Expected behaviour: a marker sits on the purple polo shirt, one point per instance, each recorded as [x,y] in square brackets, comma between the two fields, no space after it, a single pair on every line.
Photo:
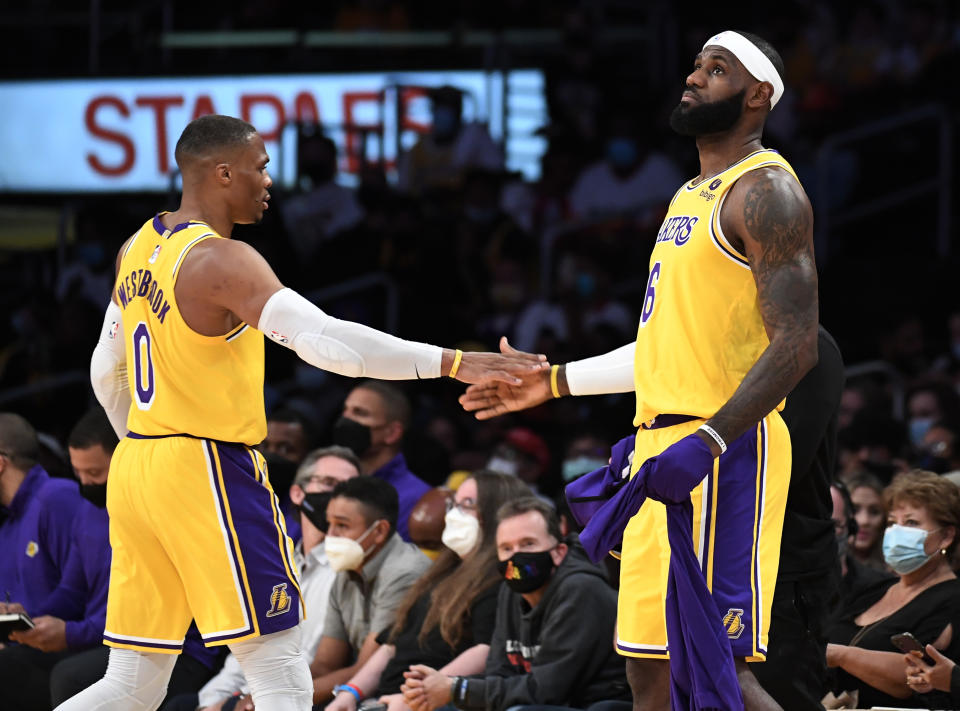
[81,597]
[409,488]
[35,537]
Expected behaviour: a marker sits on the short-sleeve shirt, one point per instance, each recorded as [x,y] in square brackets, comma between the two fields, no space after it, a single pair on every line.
[365,602]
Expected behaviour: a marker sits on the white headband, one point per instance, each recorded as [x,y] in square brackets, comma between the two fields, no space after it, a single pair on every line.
[753,60]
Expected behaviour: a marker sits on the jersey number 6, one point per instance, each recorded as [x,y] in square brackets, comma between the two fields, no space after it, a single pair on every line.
[651,294]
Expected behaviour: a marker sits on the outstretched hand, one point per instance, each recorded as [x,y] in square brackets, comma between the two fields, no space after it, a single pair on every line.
[492,398]
[509,366]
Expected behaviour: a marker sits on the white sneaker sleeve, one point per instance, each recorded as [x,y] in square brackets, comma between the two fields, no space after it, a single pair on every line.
[344,347]
[108,370]
[604,374]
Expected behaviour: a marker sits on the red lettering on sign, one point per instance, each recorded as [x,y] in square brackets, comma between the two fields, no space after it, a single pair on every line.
[159,105]
[407,95]
[248,101]
[126,145]
[305,108]
[355,131]
[203,107]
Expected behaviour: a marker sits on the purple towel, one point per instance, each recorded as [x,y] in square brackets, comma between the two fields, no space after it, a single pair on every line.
[587,493]
[702,673]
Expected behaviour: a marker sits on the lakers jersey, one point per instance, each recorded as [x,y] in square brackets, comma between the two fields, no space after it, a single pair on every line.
[182,382]
[700,327]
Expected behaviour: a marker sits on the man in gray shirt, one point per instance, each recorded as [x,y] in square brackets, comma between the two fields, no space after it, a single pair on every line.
[375,568]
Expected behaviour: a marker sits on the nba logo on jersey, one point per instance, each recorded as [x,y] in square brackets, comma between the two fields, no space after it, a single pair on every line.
[733,623]
[156,253]
[279,600]
[279,337]
[114,330]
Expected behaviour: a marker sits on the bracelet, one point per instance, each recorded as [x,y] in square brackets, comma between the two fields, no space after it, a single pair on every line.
[458,356]
[454,686]
[716,437]
[554,369]
[350,688]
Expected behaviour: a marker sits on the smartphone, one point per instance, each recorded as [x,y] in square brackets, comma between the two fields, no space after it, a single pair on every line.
[907,643]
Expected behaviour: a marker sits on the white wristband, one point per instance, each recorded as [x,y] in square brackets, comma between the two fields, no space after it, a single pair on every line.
[716,437]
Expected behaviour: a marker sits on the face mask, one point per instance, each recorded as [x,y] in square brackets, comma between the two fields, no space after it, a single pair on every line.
[572,468]
[352,435]
[526,572]
[314,507]
[903,548]
[280,471]
[931,463]
[919,426]
[346,553]
[586,285]
[461,532]
[622,152]
[96,494]
[444,121]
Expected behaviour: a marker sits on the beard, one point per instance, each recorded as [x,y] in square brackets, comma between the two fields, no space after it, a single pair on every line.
[704,119]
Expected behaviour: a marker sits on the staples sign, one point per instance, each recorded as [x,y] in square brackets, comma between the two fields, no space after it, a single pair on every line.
[120,134]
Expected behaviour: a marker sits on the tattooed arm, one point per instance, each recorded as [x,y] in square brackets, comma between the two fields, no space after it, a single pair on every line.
[770,219]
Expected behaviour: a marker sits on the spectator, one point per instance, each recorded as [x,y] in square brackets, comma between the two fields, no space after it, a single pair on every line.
[866,492]
[551,643]
[375,569]
[939,452]
[521,453]
[447,618]
[35,534]
[375,418]
[585,453]
[439,158]
[320,472]
[927,403]
[633,180]
[924,518]
[873,442]
[324,208]
[289,435]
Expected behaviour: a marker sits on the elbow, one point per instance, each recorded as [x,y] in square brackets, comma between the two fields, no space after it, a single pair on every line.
[809,353]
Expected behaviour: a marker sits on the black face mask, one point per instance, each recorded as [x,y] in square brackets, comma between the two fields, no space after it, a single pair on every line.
[281,472]
[352,435]
[526,572]
[314,507]
[96,494]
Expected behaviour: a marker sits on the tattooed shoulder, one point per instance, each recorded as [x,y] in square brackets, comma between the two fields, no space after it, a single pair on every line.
[776,216]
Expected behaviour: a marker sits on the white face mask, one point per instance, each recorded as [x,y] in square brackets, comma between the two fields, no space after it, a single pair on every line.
[461,531]
[346,553]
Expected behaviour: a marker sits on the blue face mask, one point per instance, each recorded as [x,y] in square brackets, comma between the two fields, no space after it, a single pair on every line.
[919,426]
[572,468]
[622,152]
[903,548]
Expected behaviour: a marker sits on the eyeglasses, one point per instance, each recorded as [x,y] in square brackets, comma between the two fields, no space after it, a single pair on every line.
[466,506]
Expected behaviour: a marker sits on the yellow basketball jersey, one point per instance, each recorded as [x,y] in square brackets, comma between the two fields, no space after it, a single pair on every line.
[700,327]
[182,382]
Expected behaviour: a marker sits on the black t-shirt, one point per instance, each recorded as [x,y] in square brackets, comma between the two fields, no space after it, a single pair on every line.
[925,616]
[808,548]
[435,652]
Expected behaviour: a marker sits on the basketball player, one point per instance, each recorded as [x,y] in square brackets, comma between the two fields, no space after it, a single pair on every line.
[194,524]
[728,327]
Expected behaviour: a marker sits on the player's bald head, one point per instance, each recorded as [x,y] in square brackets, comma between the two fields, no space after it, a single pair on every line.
[212,137]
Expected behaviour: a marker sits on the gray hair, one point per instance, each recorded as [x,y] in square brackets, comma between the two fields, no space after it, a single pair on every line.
[305,470]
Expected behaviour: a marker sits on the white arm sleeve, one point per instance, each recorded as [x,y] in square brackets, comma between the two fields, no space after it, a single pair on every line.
[344,347]
[108,371]
[604,374]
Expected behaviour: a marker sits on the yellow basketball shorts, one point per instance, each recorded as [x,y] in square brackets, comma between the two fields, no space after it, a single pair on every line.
[197,533]
[737,523]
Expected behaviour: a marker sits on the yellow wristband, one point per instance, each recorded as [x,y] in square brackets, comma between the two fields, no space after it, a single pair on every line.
[553,380]
[458,356]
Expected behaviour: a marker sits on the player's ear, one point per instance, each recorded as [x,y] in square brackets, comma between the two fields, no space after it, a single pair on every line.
[759,94]
[222,171]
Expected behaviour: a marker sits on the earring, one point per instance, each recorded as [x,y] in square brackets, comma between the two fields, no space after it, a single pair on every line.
[943,551]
